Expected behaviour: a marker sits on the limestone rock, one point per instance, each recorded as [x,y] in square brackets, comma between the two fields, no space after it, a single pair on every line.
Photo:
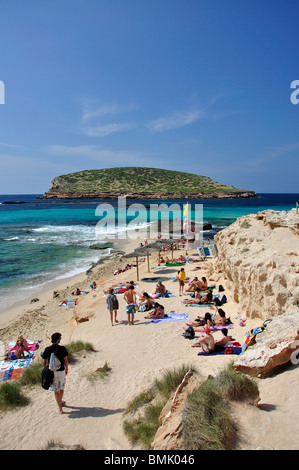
[168,436]
[259,256]
[275,346]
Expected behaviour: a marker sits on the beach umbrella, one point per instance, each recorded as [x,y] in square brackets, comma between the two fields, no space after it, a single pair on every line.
[136,254]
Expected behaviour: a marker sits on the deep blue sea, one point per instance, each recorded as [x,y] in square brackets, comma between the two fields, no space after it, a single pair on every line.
[42,240]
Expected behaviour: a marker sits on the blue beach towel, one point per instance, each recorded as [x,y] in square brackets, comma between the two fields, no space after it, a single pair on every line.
[171,317]
[223,350]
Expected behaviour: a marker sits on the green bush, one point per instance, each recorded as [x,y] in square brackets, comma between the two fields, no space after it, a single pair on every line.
[32,375]
[11,395]
[143,429]
[207,423]
[77,346]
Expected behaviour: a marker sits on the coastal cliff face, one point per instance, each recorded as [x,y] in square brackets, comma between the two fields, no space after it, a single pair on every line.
[59,194]
[259,256]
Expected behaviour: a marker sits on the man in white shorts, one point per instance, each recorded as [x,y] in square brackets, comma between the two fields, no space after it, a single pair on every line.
[58,384]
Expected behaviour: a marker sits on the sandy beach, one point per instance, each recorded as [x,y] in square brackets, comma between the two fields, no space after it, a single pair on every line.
[136,354]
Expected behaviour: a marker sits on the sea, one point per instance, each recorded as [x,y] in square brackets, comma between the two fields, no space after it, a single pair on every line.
[42,240]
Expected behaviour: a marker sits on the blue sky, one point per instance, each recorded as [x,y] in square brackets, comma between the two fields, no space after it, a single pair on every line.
[195,85]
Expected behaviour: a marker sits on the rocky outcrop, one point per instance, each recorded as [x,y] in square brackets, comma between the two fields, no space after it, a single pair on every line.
[60,194]
[259,257]
[275,346]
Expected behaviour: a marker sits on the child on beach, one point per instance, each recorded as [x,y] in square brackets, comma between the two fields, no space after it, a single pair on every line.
[182,277]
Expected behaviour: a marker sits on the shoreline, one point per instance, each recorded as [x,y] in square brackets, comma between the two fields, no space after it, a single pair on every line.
[45,291]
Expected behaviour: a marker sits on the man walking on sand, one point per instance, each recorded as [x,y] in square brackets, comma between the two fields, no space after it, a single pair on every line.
[58,384]
[131,300]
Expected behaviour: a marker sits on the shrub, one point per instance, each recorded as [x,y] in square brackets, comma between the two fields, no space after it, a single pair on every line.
[32,375]
[11,395]
[143,429]
[236,386]
[77,346]
[207,424]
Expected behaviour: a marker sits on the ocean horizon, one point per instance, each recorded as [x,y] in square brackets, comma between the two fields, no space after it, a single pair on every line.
[44,240]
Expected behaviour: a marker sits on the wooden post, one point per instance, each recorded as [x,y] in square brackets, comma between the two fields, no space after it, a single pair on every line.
[148,266]
[137,268]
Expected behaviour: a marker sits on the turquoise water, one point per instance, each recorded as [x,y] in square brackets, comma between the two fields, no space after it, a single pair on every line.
[44,240]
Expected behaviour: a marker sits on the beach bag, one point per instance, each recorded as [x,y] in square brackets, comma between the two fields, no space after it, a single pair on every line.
[220,288]
[223,299]
[47,377]
[115,304]
[54,362]
[189,333]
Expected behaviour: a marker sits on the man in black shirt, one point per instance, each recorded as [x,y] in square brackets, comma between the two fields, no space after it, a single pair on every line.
[58,383]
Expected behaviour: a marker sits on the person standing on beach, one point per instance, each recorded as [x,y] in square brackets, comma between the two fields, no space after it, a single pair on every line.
[58,384]
[182,277]
[131,300]
[112,305]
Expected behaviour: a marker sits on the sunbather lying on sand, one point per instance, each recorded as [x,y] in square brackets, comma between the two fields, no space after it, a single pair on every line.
[209,320]
[200,299]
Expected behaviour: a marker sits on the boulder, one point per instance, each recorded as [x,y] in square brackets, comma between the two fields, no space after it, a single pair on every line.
[273,347]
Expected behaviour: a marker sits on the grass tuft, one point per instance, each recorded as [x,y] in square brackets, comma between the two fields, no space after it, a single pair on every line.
[12,396]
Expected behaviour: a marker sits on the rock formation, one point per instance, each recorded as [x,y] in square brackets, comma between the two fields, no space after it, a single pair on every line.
[258,255]
[168,436]
[275,346]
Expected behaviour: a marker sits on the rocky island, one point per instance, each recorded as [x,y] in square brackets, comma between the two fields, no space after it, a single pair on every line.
[140,183]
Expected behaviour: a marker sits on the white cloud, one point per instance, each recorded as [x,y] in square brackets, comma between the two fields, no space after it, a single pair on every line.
[102,130]
[90,112]
[177,119]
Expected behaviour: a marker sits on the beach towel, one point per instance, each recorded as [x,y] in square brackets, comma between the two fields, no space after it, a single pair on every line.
[171,317]
[164,296]
[220,350]
[228,326]
[199,305]
[13,368]
[249,338]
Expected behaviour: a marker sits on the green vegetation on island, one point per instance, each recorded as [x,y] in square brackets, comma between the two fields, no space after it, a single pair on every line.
[139,180]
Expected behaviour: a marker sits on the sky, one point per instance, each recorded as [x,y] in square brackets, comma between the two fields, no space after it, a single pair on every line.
[190,85]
